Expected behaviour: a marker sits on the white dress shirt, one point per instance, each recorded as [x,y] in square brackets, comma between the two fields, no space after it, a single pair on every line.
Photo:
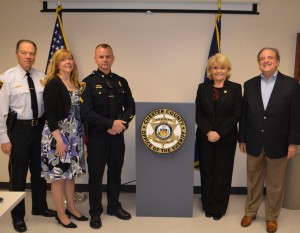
[15,94]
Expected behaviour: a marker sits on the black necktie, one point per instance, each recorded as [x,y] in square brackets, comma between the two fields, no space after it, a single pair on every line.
[112,101]
[34,104]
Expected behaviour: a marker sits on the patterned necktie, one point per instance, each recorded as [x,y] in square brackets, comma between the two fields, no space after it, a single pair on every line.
[34,104]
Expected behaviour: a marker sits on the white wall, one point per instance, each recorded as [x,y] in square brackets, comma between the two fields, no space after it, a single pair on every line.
[163,56]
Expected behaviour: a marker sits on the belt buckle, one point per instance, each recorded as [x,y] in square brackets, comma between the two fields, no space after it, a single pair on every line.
[34,122]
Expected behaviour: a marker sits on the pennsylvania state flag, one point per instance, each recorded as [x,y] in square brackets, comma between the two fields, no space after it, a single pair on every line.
[215,47]
[58,38]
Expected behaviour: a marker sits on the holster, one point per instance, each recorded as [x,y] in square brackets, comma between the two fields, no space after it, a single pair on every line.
[10,121]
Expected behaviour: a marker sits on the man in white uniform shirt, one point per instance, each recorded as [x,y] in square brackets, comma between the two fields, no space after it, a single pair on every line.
[23,145]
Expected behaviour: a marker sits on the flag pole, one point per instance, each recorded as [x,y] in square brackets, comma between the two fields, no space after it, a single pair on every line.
[218,17]
[58,40]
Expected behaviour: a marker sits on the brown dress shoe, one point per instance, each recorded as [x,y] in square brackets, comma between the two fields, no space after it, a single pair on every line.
[271,226]
[247,220]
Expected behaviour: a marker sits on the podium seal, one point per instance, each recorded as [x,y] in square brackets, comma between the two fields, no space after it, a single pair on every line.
[163,131]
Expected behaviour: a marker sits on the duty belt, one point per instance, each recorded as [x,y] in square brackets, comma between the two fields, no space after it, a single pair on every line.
[33,122]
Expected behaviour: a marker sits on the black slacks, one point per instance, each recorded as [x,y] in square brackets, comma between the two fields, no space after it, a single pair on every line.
[104,149]
[216,166]
[26,153]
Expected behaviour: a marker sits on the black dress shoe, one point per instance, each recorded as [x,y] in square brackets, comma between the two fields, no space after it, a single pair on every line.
[81,218]
[19,225]
[70,225]
[120,213]
[45,213]
[217,217]
[208,214]
[95,222]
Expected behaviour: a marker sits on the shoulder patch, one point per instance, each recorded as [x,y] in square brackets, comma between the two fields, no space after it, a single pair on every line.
[1,84]
[82,87]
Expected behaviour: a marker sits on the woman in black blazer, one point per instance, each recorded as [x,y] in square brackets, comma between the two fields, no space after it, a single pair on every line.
[218,110]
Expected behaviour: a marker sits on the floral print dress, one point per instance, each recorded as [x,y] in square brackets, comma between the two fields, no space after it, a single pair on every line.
[73,163]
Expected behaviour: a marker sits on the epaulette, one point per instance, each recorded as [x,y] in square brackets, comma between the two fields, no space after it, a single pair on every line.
[90,75]
[93,73]
[8,71]
[3,76]
[117,76]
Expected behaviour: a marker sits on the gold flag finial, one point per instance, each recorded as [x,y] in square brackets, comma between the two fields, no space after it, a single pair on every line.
[58,3]
[219,6]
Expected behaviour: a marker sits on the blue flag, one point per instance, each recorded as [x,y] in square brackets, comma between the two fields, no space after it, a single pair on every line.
[215,47]
[58,40]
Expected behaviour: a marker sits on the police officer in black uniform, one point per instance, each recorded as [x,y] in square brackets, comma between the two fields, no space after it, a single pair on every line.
[107,106]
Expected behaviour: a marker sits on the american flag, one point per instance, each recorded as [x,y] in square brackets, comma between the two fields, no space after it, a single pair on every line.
[58,40]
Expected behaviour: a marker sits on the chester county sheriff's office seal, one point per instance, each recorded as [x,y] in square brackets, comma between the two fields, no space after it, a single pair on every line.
[163,131]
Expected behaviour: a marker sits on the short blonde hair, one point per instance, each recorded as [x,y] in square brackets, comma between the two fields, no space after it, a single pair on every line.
[52,70]
[221,60]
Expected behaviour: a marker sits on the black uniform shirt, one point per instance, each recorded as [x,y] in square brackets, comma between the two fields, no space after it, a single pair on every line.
[95,102]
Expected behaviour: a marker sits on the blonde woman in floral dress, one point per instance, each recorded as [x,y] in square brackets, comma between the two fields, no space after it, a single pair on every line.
[62,138]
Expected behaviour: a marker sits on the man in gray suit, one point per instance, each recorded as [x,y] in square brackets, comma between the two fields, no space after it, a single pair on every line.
[269,134]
